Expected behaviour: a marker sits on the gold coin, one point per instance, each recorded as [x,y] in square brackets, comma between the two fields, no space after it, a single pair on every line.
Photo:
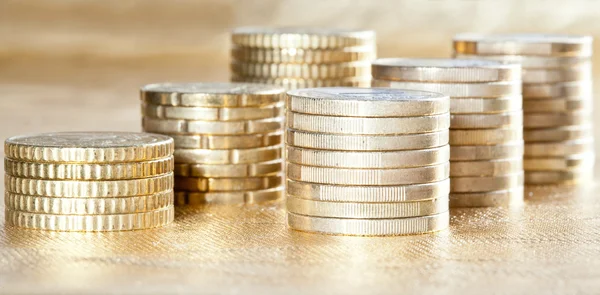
[485,136]
[366,102]
[575,73]
[303,56]
[87,206]
[570,177]
[212,114]
[229,156]
[553,105]
[220,142]
[487,152]
[212,127]
[212,94]
[229,170]
[558,149]
[345,176]
[368,194]
[88,189]
[203,184]
[555,90]
[89,147]
[570,162]
[485,105]
[367,126]
[303,71]
[566,133]
[486,167]
[481,121]
[479,90]
[369,227]
[90,223]
[306,38]
[354,210]
[296,83]
[485,183]
[443,70]
[241,197]
[78,171]
[503,198]
[530,62]
[546,120]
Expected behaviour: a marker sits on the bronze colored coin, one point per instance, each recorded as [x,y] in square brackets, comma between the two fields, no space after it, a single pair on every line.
[566,133]
[229,198]
[480,90]
[202,184]
[486,167]
[570,74]
[228,156]
[475,184]
[496,136]
[559,149]
[212,114]
[221,142]
[570,177]
[504,198]
[555,90]
[303,56]
[555,105]
[530,62]
[302,71]
[571,162]
[230,170]
[484,121]
[296,83]
[305,38]
[485,105]
[548,120]
[212,127]
[487,152]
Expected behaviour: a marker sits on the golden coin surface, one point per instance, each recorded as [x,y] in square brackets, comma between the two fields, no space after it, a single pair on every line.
[345,176]
[303,71]
[487,152]
[486,167]
[212,127]
[212,94]
[94,171]
[360,159]
[476,184]
[229,170]
[369,227]
[368,194]
[303,56]
[570,162]
[91,223]
[557,149]
[212,114]
[575,73]
[555,90]
[559,177]
[229,198]
[443,70]
[552,105]
[366,102]
[88,147]
[295,83]
[368,126]
[228,156]
[203,184]
[485,105]
[503,198]
[354,210]
[496,136]
[484,89]
[87,206]
[220,142]
[484,121]
[90,188]
[547,120]
[558,134]
[531,62]
[306,38]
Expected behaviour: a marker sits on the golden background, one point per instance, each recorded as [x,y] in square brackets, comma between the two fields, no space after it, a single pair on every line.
[77,65]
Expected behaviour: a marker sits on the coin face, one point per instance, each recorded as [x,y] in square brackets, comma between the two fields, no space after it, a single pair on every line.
[524,38]
[211,88]
[89,139]
[440,63]
[367,94]
[302,31]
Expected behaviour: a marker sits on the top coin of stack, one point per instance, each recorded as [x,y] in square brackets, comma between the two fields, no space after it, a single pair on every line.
[302,57]
[557,99]
[89,181]
[486,126]
[228,139]
[367,161]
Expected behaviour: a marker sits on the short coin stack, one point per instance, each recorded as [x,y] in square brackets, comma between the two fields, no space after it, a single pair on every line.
[367,161]
[486,126]
[228,139]
[89,181]
[302,57]
[557,99]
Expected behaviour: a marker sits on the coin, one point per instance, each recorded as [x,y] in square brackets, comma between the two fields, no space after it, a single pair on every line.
[487,152]
[228,156]
[570,162]
[443,70]
[212,94]
[360,159]
[487,89]
[552,105]
[486,167]
[559,177]
[115,222]
[78,171]
[545,120]
[366,102]
[368,194]
[479,121]
[485,136]
[87,206]
[485,183]
[220,142]
[89,147]
[303,56]
[530,62]
[204,184]
[554,90]
[212,114]
[354,210]
[306,38]
[502,198]
[485,105]
[369,227]
[295,83]
[212,127]
[229,170]
[344,176]
[557,149]
[303,71]
[575,73]
[88,189]
[565,133]
[240,197]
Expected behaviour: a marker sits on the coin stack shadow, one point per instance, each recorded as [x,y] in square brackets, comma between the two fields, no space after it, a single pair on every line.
[89,181]
[364,161]
[486,126]
[228,139]
[302,57]
[557,100]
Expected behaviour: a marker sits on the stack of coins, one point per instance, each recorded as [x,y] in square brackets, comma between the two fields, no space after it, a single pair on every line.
[89,181]
[557,100]
[301,58]
[486,127]
[364,161]
[228,139]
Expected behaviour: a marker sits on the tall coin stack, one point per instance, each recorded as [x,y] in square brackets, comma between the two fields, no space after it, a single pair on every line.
[486,126]
[228,139]
[302,57]
[89,181]
[364,161]
[557,99]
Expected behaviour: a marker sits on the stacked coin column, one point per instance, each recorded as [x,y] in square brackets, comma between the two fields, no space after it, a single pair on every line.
[228,139]
[300,58]
[92,181]
[557,94]
[364,161]
[486,127]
